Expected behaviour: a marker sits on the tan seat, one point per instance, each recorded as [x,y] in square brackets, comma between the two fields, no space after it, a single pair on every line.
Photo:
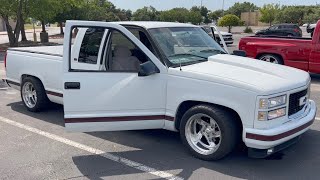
[123,60]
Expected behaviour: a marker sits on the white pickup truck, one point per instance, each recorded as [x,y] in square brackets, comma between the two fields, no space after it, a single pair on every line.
[158,75]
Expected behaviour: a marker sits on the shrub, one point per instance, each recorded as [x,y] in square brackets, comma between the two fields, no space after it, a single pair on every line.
[248,30]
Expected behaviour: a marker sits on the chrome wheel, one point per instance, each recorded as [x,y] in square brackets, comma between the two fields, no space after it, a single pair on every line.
[269,58]
[29,95]
[203,134]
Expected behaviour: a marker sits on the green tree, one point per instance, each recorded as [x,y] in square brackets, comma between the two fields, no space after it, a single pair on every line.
[215,15]
[229,20]
[175,15]
[12,9]
[66,12]
[194,17]
[146,14]
[239,8]
[44,10]
[312,17]
[269,12]
[203,12]
[290,14]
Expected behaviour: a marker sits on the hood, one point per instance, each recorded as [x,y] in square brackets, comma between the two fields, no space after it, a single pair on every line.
[222,33]
[262,77]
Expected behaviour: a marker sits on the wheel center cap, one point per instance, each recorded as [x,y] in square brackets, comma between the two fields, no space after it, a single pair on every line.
[208,130]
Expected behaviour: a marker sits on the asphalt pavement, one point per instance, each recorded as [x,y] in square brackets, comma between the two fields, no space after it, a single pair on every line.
[36,146]
[1,56]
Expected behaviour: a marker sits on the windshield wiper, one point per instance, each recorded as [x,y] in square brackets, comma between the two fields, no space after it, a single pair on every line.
[213,50]
[187,54]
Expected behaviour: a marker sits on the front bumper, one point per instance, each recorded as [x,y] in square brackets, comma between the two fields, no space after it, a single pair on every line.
[268,138]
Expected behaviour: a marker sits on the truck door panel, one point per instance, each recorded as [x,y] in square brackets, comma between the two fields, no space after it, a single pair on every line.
[113,99]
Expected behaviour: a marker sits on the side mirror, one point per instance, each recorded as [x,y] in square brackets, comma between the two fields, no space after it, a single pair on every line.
[240,53]
[147,69]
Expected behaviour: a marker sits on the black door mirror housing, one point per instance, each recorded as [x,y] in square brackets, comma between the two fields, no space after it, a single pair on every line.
[240,53]
[147,69]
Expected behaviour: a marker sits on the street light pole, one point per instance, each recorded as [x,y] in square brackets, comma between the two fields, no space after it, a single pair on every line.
[222,7]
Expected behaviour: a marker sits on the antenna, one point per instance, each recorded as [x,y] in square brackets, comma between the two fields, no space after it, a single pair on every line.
[180,64]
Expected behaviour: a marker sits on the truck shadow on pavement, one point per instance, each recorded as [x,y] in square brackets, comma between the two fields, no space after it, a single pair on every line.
[164,151]
[315,78]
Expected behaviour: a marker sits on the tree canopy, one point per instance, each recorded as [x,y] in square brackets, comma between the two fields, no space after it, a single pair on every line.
[239,8]
[51,11]
[269,12]
[229,20]
[175,15]
[146,14]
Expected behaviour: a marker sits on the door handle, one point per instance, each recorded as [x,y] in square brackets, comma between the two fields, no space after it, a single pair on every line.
[72,85]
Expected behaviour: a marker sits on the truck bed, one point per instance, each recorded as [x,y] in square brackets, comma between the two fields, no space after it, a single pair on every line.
[44,63]
[281,37]
[46,50]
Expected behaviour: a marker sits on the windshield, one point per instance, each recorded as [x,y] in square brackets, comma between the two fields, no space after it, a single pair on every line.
[185,45]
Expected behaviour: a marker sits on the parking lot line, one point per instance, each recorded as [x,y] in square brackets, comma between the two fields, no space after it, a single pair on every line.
[118,159]
[317,118]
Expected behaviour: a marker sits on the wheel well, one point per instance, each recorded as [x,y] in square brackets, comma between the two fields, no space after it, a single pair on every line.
[27,75]
[186,105]
[278,55]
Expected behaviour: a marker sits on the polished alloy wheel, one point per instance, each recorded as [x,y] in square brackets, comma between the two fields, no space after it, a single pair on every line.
[29,95]
[269,58]
[203,134]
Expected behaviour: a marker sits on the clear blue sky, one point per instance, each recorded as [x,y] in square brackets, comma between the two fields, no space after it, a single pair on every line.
[210,4]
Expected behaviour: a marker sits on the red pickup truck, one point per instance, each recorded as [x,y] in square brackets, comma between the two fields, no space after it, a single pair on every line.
[301,53]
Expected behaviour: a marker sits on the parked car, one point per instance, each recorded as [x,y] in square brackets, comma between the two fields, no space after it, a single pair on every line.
[227,37]
[302,53]
[281,30]
[154,75]
[310,28]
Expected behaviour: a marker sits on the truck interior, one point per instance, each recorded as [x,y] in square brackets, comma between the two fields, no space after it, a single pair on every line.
[110,50]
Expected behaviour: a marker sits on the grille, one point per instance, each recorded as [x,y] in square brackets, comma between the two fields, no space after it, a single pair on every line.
[294,101]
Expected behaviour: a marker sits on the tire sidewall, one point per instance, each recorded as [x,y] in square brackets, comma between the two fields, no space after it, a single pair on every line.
[39,90]
[226,133]
[280,62]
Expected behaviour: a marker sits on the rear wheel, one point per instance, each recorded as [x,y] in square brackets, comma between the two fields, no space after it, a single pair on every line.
[210,133]
[271,58]
[33,94]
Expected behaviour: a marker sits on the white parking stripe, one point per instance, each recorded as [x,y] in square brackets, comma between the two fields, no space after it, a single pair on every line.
[317,118]
[118,159]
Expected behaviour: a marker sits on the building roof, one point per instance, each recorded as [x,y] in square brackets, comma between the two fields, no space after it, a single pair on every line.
[154,24]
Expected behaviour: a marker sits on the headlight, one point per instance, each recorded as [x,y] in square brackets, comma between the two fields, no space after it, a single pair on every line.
[272,102]
[264,115]
[267,107]
[276,113]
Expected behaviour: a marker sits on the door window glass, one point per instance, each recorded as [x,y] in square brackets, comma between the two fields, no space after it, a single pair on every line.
[124,55]
[90,45]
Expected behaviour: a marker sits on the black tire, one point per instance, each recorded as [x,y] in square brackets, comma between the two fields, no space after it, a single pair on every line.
[276,57]
[226,120]
[42,98]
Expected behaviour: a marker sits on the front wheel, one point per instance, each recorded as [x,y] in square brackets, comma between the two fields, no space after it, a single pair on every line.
[210,133]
